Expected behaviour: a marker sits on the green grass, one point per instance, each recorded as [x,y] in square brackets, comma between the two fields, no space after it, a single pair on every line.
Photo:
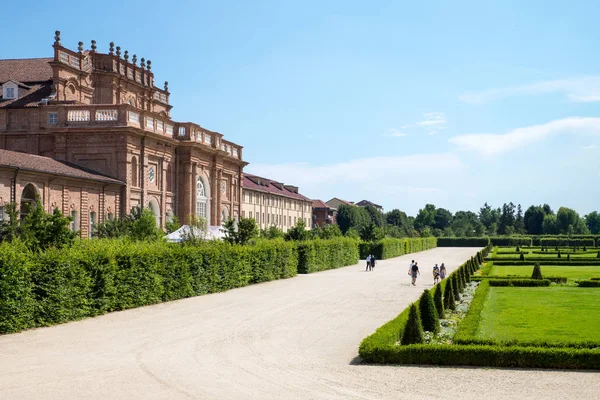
[570,272]
[559,313]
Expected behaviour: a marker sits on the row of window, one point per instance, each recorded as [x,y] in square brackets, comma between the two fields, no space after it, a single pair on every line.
[275,201]
[76,224]
[271,219]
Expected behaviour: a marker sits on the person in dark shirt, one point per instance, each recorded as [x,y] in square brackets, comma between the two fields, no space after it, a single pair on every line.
[414,272]
[372,262]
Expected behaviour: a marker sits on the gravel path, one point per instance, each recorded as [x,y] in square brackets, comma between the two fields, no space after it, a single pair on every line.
[290,339]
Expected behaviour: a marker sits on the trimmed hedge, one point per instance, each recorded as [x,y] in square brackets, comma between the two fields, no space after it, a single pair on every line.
[554,279]
[321,255]
[588,283]
[482,355]
[568,242]
[519,282]
[97,276]
[510,241]
[389,247]
[544,261]
[462,242]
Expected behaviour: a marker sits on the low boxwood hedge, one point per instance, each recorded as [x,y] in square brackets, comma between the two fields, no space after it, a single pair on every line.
[588,283]
[555,279]
[543,261]
[519,282]
[462,242]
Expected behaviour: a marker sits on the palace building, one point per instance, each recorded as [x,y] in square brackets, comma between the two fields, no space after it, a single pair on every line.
[99,140]
[271,203]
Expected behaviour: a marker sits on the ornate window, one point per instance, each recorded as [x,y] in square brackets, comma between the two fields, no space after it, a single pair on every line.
[201,200]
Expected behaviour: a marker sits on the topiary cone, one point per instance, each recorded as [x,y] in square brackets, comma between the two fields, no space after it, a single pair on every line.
[537,271]
[413,331]
[448,292]
[429,316]
[438,301]
[456,286]
[451,301]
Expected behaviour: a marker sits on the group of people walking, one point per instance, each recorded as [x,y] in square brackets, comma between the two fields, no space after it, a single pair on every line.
[370,263]
[438,272]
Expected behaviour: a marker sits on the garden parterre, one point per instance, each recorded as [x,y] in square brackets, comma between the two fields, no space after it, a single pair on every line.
[511,322]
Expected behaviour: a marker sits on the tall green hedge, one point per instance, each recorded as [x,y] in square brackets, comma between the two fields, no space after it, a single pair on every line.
[320,255]
[98,276]
[511,240]
[463,242]
[389,247]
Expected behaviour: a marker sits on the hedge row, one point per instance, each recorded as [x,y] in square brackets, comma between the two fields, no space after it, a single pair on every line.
[389,247]
[519,282]
[99,276]
[463,242]
[320,255]
[554,279]
[544,261]
[510,241]
[589,283]
[567,242]
[483,355]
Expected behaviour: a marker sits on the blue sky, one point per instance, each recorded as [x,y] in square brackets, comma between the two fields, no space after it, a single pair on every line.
[403,103]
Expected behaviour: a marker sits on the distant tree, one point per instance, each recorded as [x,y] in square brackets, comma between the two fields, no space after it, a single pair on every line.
[507,219]
[549,225]
[371,233]
[485,216]
[519,224]
[547,209]
[592,220]
[565,217]
[426,217]
[329,232]
[352,217]
[375,215]
[442,219]
[398,218]
[533,220]
[272,232]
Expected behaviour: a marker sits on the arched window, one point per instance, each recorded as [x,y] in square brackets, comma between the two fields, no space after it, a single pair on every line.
[201,200]
[29,196]
[134,171]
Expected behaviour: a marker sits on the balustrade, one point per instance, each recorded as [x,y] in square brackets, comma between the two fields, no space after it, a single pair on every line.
[78,115]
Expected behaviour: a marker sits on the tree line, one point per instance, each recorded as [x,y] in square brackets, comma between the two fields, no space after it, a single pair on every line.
[510,219]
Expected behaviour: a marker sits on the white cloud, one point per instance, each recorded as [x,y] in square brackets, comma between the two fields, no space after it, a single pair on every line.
[395,133]
[432,121]
[591,147]
[490,143]
[384,180]
[584,89]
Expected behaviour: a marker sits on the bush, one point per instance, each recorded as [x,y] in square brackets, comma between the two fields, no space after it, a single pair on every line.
[568,257]
[522,257]
[519,282]
[588,283]
[413,332]
[449,300]
[537,271]
[456,288]
[389,247]
[462,242]
[595,278]
[16,299]
[321,255]
[429,315]
[438,300]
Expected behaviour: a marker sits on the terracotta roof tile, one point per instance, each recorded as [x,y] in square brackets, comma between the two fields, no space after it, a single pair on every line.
[271,187]
[26,70]
[319,204]
[31,98]
[30,162]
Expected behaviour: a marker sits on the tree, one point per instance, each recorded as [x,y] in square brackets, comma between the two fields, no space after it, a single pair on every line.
[519,224]
[549,225]
[442,218]
[272,232]
[375,215]
[592,221]
[397,218]
[565,217]
[298,232]
[371,233]
[507,218]
[485,215]
[330,232]
[413,331]
[429,316]
[425,217]
[242,232]
[438,300]
[352,217]
[172,224]
[533,220]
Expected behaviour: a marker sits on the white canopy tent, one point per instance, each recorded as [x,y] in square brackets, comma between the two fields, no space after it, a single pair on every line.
[211,233]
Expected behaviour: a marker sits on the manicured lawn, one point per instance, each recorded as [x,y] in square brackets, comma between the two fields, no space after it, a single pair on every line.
[559,313]
[568,271]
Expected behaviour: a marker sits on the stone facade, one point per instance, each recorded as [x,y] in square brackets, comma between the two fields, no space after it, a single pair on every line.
[272,203]
[103,112]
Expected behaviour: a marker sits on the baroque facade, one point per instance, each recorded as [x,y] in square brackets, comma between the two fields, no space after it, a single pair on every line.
[102,113]
[271,203]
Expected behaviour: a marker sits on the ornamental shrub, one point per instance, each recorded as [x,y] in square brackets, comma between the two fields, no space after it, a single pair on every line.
[598,256]
[413,332]
[589,283]
[559,256]
[522,257]
[438,300]
[449,300]
[456,289]
[518,250]
[537,271]
[584,248]
[429,316]
[568,257]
